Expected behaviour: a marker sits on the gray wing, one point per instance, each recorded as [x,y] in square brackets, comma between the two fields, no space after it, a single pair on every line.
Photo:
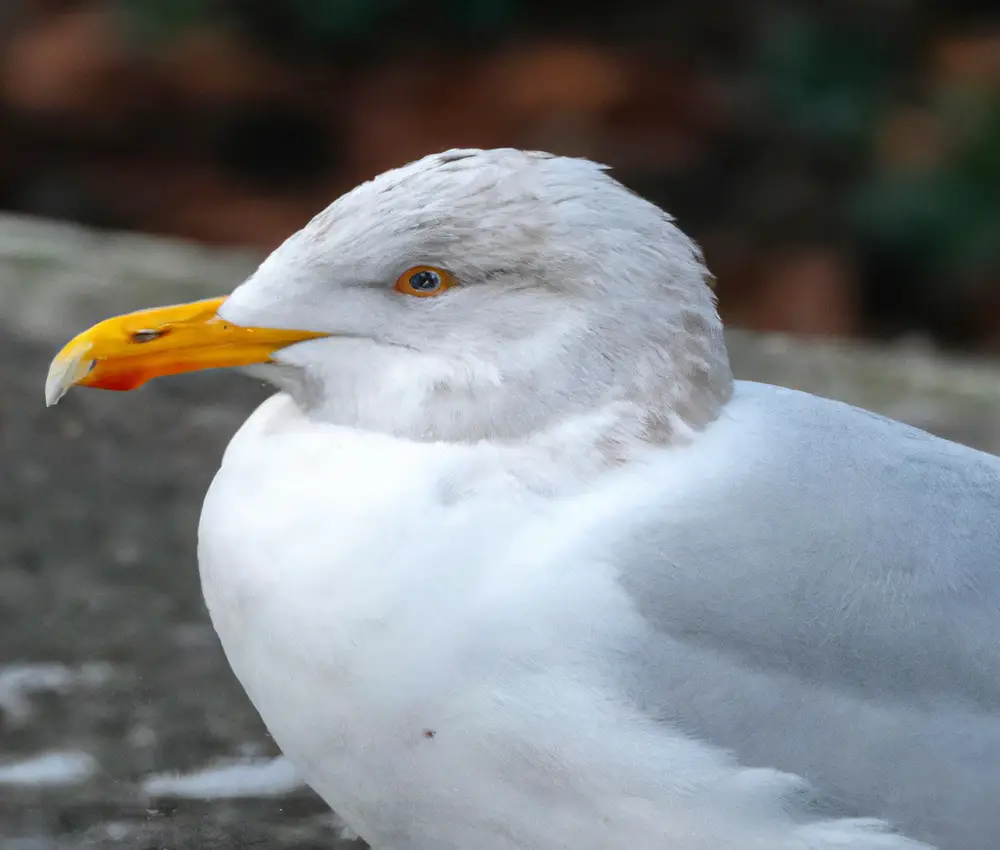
[825,599]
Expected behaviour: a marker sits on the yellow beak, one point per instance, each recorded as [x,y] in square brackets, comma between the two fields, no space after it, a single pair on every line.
[124,352]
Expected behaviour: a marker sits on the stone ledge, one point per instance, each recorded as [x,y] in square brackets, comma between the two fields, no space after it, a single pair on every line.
[56,278]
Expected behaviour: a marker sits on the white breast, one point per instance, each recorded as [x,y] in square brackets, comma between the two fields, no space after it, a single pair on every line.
[429,641]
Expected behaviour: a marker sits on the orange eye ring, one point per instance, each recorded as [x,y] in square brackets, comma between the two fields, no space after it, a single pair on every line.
[424,281]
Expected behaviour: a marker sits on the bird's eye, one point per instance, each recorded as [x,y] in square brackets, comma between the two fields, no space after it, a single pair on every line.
[424,281]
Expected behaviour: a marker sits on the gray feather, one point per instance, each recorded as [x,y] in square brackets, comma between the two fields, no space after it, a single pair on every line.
[827,602]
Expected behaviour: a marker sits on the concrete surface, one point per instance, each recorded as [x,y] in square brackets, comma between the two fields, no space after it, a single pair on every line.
[110,674]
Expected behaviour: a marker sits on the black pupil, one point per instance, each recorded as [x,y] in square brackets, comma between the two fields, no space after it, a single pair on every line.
[425,281]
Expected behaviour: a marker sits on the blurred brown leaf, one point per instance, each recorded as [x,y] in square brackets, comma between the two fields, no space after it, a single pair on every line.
[403,111]
[196,202]
[70,65]
[211,65]
[911,137]
[969,59]
[540,78]
[808,291]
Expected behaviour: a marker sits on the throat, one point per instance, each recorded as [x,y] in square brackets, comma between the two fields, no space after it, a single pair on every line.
[437,408]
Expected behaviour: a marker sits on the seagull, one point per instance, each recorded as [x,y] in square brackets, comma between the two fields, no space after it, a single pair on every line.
[511,562]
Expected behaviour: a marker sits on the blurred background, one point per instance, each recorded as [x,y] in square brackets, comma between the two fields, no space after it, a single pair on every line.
[839,161]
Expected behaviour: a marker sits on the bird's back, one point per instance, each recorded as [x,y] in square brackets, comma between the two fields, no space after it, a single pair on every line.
[823,590]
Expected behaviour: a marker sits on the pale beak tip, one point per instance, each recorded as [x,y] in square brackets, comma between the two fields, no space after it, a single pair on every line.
[66,369]
[53,392]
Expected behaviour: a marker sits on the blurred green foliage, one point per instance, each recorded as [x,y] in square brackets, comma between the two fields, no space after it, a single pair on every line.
[828,83]
[154,23]
[945,211]
[935,217]
[313,25]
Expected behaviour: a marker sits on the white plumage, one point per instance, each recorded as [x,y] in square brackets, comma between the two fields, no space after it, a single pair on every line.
[520,566]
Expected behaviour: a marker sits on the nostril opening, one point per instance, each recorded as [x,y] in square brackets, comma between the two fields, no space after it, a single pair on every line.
[147,335]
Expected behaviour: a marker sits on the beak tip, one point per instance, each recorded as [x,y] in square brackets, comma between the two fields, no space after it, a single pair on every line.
[66,370]
[55,385]
[53,395]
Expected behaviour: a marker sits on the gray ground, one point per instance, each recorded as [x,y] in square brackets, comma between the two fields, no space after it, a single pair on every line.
[99,501]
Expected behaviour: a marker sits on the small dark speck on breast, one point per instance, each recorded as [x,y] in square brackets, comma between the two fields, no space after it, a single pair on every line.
[429,733]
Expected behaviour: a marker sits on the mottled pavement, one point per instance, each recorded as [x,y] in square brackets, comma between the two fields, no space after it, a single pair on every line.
[99,502]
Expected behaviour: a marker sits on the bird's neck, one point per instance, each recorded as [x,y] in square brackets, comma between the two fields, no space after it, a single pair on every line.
[559,459]
[568,405]
[582,447]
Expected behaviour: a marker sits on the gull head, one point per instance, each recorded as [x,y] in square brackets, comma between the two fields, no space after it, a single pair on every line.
[469,295]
